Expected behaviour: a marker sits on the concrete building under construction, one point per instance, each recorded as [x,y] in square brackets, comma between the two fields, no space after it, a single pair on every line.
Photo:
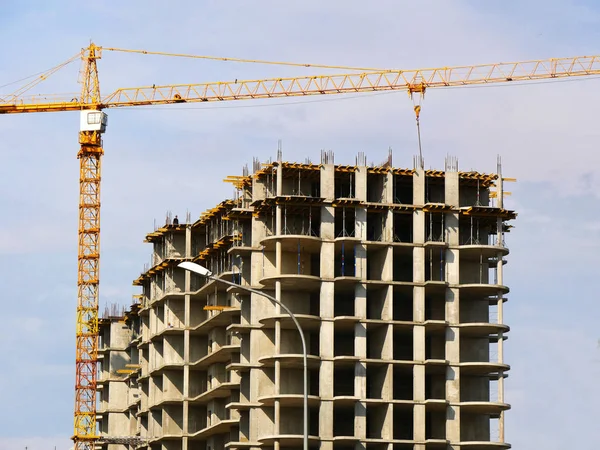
[396,276]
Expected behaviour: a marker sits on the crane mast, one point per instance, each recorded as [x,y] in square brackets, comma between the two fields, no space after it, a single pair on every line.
[93,124]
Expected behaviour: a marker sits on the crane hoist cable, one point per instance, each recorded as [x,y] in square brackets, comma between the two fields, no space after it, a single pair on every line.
[416,93]
[417,109]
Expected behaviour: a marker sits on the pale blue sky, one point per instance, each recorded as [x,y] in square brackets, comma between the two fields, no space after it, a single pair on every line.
[173,158]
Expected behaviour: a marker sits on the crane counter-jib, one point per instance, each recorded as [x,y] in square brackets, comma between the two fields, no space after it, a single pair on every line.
[33,107]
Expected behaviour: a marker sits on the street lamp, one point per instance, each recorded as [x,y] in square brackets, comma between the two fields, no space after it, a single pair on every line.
[204,272]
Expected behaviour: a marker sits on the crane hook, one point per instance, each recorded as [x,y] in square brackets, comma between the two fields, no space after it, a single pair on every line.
[417,109]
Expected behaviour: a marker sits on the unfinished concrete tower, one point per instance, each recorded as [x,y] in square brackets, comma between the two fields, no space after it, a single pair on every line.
[114,364]
[396,278]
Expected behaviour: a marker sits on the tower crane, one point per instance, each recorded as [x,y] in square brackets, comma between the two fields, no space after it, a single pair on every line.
[93,121]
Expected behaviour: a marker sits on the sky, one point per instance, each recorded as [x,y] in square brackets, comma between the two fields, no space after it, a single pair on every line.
[173,158]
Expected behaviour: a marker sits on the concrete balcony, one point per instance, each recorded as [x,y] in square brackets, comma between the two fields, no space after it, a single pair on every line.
[221,319]
[224,426]
[435,404]
[288,440]
[242,444]
[482,368]
[492,409]
[436,444]
[290,243]
[166,401]
[482,329]
[483,445]
[307,321]
[167,365]
[484,291]
[298,282]
[290,360]
[223,390]
[345,323]
[289,400]
[475,251]
[221,355]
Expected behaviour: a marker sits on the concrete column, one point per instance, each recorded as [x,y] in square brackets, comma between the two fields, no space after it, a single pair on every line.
[419,187]
[500,272]
[419,307]
[388,229]
[276,419]
[258,189]
[387,310]
[278,229]
[256,414]
[326,419]
[186,338]
[360,254]
[360,409]
[360,341]
[327,222]
[327,298]
[326,372]
[451,187]
[279,226]
[360,301]
[453,413]
[360,368]
[388,192]
[419,349]
[453,350]
[500,307]
[360,189]
[277,296]
[387,274]
[277,351]
[419,228]
[452,309]
[388,387]
[328,182]
[451,220]
[500,190]
[360,185]
[360,223]
[387,430]
[327,271]
[326,350]
[419,408]
[279,179]
[277,411]
[387,391]
[360,250]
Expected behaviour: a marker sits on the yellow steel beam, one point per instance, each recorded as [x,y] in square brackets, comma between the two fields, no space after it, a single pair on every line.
[217,308]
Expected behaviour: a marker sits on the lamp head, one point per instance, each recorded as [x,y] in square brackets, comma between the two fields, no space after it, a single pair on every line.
[196,268]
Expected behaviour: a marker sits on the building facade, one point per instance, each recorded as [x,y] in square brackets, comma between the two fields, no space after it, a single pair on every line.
[396,277]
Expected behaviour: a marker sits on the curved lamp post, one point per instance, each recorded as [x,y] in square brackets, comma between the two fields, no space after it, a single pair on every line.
[204,272]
